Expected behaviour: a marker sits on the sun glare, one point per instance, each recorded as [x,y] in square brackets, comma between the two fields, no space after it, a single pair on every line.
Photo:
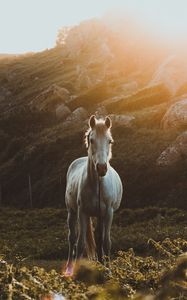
[33,25]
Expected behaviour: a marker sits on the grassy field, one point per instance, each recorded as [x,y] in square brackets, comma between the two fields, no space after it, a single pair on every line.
[42,234]
[146,243]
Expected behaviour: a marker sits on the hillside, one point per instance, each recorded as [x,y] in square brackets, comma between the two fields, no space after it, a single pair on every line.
[47,97]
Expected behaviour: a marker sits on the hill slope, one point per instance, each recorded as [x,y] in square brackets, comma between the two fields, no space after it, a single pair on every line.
[45,101]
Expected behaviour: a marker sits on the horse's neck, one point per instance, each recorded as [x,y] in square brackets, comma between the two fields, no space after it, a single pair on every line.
[91,173]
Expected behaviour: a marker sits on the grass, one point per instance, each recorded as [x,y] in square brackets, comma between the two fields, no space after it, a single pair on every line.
[42,234]
[146,245]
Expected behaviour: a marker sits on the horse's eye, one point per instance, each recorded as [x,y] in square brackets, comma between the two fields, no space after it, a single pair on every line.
[91,141]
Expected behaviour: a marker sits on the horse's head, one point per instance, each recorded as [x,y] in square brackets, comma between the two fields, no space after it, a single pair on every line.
[99,140]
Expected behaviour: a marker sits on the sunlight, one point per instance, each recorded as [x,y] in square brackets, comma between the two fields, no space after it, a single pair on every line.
[33,25]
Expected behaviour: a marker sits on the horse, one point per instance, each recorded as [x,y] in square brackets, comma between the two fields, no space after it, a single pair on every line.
[93,189]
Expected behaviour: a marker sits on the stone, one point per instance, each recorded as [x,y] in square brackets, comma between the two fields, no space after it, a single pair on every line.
[122,120]
[175,152]
[78,115]
[176,116]
[62,112]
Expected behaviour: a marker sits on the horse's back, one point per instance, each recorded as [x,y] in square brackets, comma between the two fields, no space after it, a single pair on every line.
[74,174]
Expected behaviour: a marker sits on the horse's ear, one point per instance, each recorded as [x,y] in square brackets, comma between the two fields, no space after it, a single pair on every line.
[92,121]
[108,122]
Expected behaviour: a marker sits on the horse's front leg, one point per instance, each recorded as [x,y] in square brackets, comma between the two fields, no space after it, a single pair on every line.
[71,220]
[99,236]
[83,221]
[107,241]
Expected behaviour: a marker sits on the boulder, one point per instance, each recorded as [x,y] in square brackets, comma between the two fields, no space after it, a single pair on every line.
[62,112]
[77,116]
[175,152]
[122,120]
[172,73]
[100,112]
[176,116]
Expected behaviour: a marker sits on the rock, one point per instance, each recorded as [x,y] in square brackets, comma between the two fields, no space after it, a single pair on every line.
[122,120]
[100,112]
[174,153]
[77,116]
[172,73]
[62,112]
[176,116]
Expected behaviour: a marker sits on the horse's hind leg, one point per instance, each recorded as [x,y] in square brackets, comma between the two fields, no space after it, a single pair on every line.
[71,220]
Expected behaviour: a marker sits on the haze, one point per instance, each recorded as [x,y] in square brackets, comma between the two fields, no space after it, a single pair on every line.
[33,25]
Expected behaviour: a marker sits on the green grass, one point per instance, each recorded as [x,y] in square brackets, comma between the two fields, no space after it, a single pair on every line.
[42,234]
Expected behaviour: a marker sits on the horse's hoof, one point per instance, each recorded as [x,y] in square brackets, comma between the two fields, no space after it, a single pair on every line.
[69,271]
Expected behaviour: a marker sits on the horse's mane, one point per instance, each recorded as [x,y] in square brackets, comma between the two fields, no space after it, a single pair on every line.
[86,137]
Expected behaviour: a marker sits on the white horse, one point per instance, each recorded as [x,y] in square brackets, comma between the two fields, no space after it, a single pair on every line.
[93,189]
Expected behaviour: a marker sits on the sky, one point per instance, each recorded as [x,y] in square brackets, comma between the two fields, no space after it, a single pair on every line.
[32,25]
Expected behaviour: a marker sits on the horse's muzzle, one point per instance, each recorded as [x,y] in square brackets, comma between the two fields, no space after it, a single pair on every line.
[101,169]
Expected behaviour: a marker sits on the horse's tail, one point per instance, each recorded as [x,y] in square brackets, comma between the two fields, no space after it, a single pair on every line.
[90,241]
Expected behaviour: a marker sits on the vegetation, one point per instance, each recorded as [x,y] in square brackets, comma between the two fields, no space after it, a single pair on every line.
[42,234]
[162,278]
[146,243]
[149,231]
[34,143]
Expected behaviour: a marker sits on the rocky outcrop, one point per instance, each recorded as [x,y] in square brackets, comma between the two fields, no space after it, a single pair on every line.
[172,73]
[122,120]
[78,115]
[176,116]
[62,112]
[174,153]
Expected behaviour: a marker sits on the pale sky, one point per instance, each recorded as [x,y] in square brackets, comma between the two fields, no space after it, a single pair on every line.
[32,25]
